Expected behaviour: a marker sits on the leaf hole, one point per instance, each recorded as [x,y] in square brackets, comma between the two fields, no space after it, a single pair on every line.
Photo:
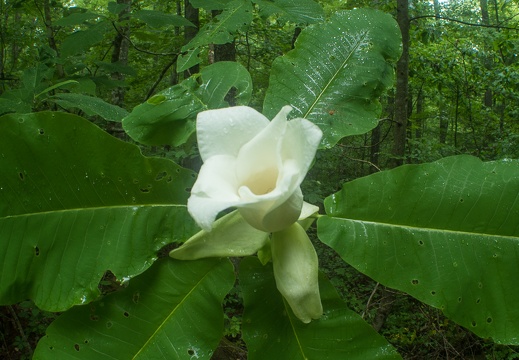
[489,320]
[433,293]
[478,300]
[415,282]
[36,251]
[136,297]
[480,285]
[94,317]
[473,323]
[178,171]
[169,179]
[461,200]
[126,314]
[135,181]
[190,352]
[420,242]
[41,131]
[86,341]
[21,175]
[161,175]
[188,189]
[144,190]
[109,324]
[460,299]
[76,346]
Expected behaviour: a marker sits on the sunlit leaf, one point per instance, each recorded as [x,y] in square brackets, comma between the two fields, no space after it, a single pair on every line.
[76,202]
[337,72]
[446,232]
[172,311]
[271,330]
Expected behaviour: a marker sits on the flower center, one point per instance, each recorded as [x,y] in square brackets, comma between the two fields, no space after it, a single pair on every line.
[262,183]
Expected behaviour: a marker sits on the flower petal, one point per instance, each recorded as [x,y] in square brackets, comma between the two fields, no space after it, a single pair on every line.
[300,143]
[272,216]
[215,190]
[231,236]
[261,155]
[308,210]
[284,202]
[296,272]
[225,131]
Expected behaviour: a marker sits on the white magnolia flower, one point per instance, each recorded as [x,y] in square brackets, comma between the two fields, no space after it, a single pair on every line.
[257,166]
[252,164]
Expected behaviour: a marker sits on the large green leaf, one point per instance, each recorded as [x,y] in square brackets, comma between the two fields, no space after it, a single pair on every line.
[76,202]
[236,16]
[297,11]
[446,232]
[82,40]
[337,72]
[271,330]
[90,105]
[219,78]
[168,117]
[174,311]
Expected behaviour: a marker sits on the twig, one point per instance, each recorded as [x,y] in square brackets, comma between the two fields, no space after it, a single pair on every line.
[139,49]
[161,76]
[369,300]
[364,161]
[14,317]
[464,22]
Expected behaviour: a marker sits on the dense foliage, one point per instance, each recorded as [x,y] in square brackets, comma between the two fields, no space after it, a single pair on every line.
[425,253]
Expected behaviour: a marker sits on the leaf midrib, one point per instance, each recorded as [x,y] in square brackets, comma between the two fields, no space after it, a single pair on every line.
[336,74]
[459,232]
[173,311]
[91,208]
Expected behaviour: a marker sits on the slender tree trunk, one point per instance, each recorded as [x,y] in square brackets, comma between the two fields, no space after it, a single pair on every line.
[375,148]
[224,52]
[401,94]
[420,114]
[120,52]
[50,34]
[485,19]
[192,14]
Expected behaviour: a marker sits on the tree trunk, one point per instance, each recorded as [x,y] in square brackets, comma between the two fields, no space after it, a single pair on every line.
[50,35]
[485,19]
[192,14]
[401,94]
[120,52]
[375,148]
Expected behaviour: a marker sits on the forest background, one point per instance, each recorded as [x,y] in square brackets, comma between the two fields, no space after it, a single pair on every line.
[456,92]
